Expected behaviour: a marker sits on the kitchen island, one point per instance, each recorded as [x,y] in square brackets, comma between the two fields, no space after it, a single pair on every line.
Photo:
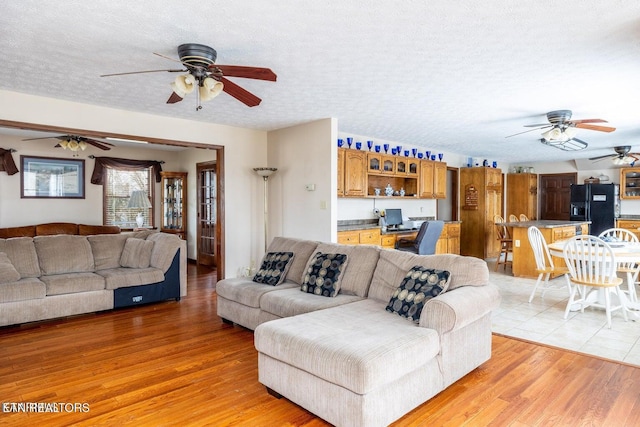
[524,262]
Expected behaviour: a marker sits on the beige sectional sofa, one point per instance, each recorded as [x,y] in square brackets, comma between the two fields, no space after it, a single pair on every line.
[346,358]
[45,277]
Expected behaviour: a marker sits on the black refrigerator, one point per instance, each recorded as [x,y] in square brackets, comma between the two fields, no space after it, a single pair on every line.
[598,203]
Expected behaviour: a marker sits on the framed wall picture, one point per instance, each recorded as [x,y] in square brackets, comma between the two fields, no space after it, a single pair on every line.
[49,177]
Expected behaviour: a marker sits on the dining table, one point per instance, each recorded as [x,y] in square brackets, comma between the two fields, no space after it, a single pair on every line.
[623,252]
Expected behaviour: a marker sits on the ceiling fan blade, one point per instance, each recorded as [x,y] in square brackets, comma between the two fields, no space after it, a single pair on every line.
[535,126]
[530,130]
[258,73]
[588,121]
[174,98]
[44,137]
[100,145]
[240,94]
[141,72]
[595,127]
[97,142]
[603,157]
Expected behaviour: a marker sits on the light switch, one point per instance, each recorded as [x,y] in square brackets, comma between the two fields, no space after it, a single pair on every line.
[310,187]
[323,204]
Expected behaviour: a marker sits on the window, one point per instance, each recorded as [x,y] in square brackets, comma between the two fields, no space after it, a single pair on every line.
[118,186]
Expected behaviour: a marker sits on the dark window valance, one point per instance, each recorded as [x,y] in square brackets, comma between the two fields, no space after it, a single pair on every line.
[6,162]
[97,177]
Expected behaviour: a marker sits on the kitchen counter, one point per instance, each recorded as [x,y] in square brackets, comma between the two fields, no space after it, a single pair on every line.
[544,224]
[524,262]
[356,225]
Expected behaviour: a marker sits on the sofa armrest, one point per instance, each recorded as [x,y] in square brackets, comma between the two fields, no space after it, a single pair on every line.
[459,307]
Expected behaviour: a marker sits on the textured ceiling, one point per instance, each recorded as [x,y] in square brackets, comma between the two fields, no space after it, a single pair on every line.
[456,76]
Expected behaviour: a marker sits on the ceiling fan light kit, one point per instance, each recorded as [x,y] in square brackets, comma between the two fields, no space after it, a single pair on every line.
[209,77]
[561,130]
[567,145]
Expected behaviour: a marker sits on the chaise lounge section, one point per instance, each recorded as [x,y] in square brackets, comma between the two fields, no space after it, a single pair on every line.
[346,358]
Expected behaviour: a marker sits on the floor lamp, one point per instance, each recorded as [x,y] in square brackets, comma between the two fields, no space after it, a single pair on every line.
[265,173]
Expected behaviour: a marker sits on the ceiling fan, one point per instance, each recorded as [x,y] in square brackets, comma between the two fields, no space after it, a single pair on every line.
[208,77]
[561,130]
[75,142]
[622,156]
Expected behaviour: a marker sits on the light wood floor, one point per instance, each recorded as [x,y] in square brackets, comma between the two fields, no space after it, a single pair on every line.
[175,363]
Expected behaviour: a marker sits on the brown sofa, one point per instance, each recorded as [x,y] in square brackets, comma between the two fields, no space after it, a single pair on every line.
[51,228]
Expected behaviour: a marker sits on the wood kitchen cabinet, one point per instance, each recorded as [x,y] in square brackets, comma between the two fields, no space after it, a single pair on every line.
[480,200]
[427,168]
[440,180]
[341,171]
[354,173]
[524,261]
[433,180]
[522,195]
[630,183]
[361,172]
[632,225]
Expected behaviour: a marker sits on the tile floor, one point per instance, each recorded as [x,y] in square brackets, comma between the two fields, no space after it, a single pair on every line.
[543,321]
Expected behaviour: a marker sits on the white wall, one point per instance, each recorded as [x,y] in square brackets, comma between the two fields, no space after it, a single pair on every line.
[244,149]
[15,211]
[304,154]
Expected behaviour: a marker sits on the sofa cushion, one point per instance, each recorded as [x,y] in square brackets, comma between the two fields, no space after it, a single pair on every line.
[124,277]
[64,254]
[362,262]
[8,272]
[302,249]
[247,292]
[23,289]
[419,285]
[324,274]
[291,302]
[165,246]
[107,249]
[358,346]
[22,253]
[136,253]
[393,265]
[70,283]
[274,268]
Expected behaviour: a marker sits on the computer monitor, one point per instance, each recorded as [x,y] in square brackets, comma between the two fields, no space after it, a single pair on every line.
[393,217]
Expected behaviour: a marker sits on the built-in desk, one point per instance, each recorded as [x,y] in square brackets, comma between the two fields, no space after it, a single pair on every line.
[524,262]
[449,241]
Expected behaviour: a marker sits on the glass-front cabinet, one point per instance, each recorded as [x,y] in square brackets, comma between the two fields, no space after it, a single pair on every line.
[174,199]
[630,183]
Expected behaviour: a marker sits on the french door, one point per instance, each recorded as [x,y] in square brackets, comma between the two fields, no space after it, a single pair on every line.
[207,213]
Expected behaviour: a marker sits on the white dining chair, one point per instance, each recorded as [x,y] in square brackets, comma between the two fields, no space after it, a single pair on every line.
[545,266]
[628,268]
[592,266]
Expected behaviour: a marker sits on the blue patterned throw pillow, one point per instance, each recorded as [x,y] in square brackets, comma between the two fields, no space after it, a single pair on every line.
[274,267]
[323,274]
[418,286]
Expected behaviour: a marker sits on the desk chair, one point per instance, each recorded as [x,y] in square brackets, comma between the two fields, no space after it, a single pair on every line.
[592,266]
[425,241]
[523,217]
[506,243]
[544,264]
[513,218]
[630,269]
